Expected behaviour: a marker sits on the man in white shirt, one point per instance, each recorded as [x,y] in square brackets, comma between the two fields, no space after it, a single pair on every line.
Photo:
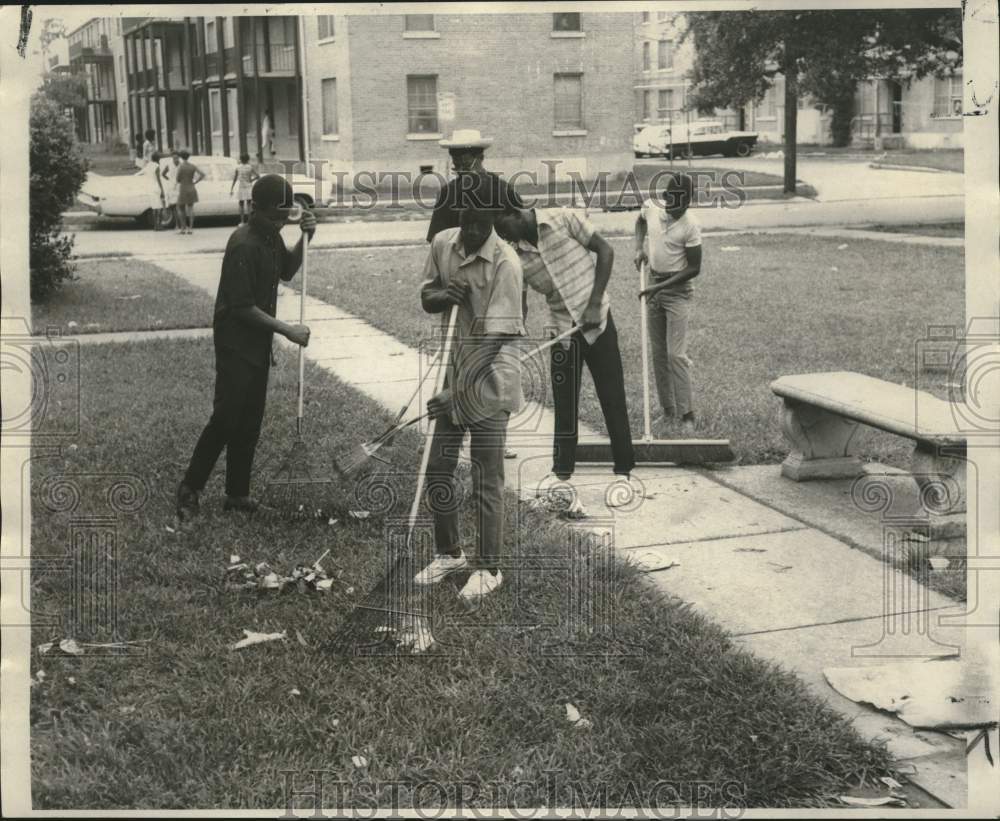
[668,240]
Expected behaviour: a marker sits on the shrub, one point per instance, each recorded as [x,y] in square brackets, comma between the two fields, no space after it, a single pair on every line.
[58,169]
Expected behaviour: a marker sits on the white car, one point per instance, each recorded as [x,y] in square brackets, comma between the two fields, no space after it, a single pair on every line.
[703,137]
[129,196]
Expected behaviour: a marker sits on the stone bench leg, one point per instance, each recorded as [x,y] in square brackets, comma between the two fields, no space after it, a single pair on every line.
[940,474]
[821,443]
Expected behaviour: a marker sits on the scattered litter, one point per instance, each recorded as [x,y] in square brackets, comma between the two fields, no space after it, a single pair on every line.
[885,801]
[730,248]
[335,722]
[294,692]
[359,761]
[234,558]
[301,638]
[44,648]
[332,521]
[40,675]
[71,679]
[360,514]
[517,772]
[73,447]
[834,268]
[325,585]
[780,568]
[573,717]
[842,246]
[349,591]
[132,296]
[169,529]
[904,769]
[250,638]
[70,647]
[939,562]
[126,709]
[891,783]
[750,550]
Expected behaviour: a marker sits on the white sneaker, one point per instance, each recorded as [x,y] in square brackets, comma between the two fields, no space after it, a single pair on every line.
[481,583]
[623,491]
[439,568]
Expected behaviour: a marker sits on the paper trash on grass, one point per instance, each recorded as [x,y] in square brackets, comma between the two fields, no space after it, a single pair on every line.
[573,717]
[730,248]
[44,648]
[360,514]
[842,246]
[359,761]
[251,638]
[70,647]
[942,695]
[891,783]
[885,801]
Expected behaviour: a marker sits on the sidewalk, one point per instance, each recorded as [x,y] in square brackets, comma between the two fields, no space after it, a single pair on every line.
[762,215]
[758,571]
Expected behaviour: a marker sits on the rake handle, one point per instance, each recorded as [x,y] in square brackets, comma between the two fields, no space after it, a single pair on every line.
[644,333]
[302,321]
[426,455]
[549,344]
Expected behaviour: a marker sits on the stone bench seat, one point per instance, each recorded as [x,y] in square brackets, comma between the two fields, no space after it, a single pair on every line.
[823,411]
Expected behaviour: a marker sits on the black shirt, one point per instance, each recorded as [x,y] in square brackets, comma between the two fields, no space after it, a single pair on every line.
[256,258]
[449,201]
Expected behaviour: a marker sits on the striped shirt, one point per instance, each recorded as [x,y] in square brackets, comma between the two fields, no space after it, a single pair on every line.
[562,268]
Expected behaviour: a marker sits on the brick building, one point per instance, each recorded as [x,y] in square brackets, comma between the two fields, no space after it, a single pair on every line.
[383,89]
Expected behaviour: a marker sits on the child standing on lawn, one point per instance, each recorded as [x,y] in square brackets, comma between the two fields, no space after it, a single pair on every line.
[245,175]
[668,243]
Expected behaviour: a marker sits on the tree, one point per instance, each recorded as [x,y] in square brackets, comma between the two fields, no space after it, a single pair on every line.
[822,53]
[66,90]
[57,171]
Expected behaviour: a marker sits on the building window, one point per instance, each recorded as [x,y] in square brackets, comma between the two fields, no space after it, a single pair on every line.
[665,103]
[121,65]
[329,106]
[569,102]
[421,104]
[664,59]
[645,56]
[228,39]
[645,17]
[326,28]
[215,110]
[566,21]
[211,43]
[948,96]
[661,15]
[418,22]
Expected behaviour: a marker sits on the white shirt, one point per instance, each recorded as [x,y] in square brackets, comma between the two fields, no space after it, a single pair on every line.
[667,238]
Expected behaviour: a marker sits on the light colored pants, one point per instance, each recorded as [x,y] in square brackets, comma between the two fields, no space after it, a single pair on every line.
[668,320]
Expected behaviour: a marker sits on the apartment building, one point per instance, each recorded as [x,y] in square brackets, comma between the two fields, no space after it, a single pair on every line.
[90,57]
[383,89]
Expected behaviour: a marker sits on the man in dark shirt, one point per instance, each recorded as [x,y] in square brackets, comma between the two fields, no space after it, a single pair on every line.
[466,148]
[243,327]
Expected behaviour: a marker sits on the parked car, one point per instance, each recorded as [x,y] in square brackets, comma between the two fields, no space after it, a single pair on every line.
[128,196]
[702,138]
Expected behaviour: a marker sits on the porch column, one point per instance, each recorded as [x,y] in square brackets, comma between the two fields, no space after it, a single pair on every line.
[256,86]
[223,97]
[241,119]
[207,122]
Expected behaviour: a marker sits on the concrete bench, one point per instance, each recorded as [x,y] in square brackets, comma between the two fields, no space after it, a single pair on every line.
[822,412]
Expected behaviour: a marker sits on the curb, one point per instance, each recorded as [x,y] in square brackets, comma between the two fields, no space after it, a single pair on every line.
[892,167]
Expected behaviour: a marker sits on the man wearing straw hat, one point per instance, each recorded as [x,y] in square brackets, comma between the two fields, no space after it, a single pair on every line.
[256,258]
[466,148]
[471,267]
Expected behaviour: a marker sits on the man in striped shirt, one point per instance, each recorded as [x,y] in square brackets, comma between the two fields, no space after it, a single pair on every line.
[557,249]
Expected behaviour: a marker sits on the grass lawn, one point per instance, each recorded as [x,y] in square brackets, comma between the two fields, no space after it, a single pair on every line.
[942,159]
[193,724]
[943,229]
[779,305]
[122,295]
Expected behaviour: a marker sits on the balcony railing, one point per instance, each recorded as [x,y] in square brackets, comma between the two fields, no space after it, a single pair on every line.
[276,59]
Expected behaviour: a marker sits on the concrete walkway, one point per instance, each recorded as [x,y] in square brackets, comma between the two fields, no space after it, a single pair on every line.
[787,591]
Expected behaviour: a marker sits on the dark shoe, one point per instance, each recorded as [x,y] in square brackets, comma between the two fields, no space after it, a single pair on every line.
[187,503]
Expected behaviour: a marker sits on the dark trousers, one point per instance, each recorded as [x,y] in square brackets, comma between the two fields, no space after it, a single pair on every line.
[604,362]
[488,439]
[237,416]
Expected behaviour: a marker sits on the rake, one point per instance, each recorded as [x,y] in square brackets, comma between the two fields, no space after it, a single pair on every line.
[382,608]
[297,469]
[649,450]
[362,455]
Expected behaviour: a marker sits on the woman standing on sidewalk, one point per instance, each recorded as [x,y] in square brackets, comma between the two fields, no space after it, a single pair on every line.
[188,175]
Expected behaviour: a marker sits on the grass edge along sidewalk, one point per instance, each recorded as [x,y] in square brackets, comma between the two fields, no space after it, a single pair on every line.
[121,732]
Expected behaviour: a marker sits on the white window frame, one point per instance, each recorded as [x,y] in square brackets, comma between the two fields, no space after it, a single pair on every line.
[420,34]
[332,35]
[952,95]
[568,34]
[579,128]
[422,135]
[659,55]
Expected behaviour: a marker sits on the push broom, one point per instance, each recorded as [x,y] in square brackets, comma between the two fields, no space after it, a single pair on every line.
[649,450]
